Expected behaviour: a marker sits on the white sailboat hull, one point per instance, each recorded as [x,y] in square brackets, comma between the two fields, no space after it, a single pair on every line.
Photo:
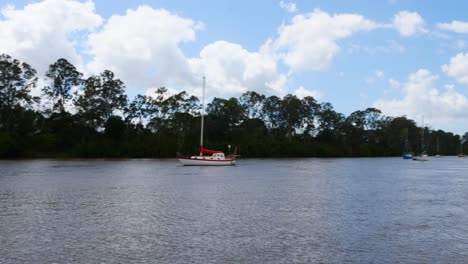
[421,158]
[206,161]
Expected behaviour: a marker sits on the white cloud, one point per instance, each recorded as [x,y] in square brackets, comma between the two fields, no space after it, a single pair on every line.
[457,68]
[442,109]
[309,41]
[377,75]
[231,70]
[289,7]
[391,47]
[43,32]
[394,84]
[408,23]
[142,47]
[455,26]
[301,92]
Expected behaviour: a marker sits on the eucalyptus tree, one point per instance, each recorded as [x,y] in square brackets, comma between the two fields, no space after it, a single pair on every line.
[163,107]
[102,97]
[252,102]
[329,122]
[16,81]
[292,113]
[310,118]
[62,76]
[229,111]
[138,109]
[271,111]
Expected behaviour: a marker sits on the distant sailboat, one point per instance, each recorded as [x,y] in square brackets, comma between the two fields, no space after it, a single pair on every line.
[437,148]
[461,155]
[406,153]
[423,156]
[217,157]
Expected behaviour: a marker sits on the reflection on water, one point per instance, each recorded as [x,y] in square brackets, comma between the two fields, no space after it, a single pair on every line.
[262,211]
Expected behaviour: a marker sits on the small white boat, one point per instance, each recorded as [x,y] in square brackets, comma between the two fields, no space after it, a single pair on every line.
[217,157]
[422,157]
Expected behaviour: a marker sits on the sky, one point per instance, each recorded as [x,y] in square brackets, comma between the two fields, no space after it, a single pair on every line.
[403,57]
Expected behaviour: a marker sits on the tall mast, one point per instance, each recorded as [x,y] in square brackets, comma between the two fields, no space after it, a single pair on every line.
[422,136]
[202,115]
[461,145]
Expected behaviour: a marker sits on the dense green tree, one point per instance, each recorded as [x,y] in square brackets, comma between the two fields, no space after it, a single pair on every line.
[272,112]
[16,81]
[291,115]
[228,110]
[310,116]
[102,96]
[138,109]
[252,103]
[330,122]
[62,76]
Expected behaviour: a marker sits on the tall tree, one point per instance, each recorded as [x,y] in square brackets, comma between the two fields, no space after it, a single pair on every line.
[271,111]
[138,109]
[309,122]
[101,98]
[16,81]
[229,111]
[62,77]
[252,102]
[292,113]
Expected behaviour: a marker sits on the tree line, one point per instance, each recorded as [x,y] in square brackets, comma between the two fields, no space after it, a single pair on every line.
[93,117]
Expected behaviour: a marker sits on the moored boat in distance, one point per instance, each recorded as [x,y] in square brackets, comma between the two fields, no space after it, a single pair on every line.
[461,154]
[217,157]
[408,155]
[423,156]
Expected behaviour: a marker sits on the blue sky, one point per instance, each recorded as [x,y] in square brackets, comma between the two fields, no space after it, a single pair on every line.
[403,57]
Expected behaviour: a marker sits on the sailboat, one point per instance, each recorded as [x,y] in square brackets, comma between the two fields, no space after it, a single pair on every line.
[423,156]
[461,155]
[407,154]
[217,157]
[437,148]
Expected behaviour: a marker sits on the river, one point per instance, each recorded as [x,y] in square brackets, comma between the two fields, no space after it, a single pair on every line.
[364,210]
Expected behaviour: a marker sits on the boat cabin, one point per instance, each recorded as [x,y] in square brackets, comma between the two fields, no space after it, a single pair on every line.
[219,155]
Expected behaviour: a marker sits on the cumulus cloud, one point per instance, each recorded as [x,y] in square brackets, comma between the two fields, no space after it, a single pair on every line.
[442,108]
[43,32]
[394,84]
[309,41]
[238,72]
[457,68]
[302,92]
[408,23]
[391,46]
[377,75]
[142,47]
[455,26]
[289,7]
